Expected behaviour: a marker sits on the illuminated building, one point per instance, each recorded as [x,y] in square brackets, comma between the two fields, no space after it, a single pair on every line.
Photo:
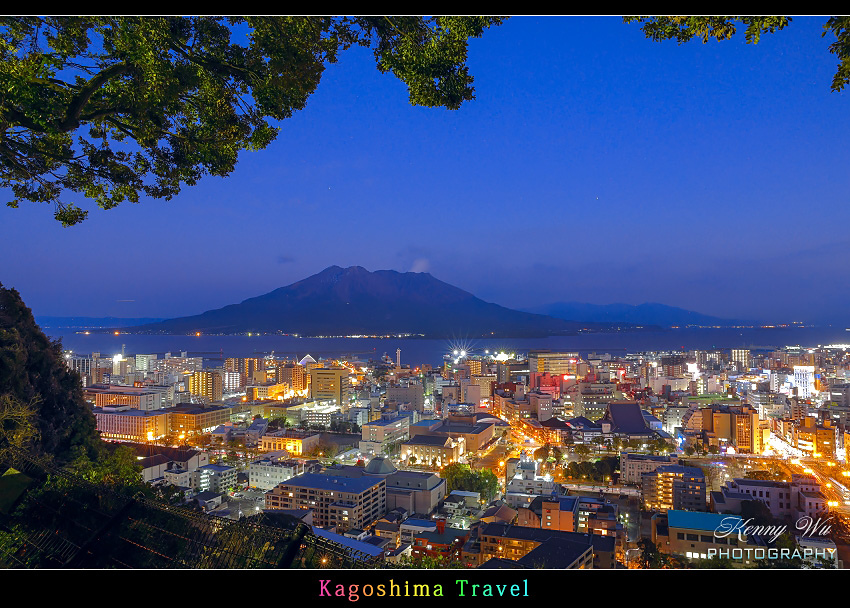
[378,434]
[486,382]
[330,384]
[215,477]
[554,363]
[672,366]
[674,487]
[207,384]
[526,484]
[475,430]
[232,381]
[742,358]
[413,393]
[131,424]
[552,549]
[633,466]
[267,473]
[550,513]
[432,451]
[691,533]
[192,419]
[410,491]
[268,391]
[144,363]
[735,426]
[294,442]
[813,438]
[337,502]
[291,374]
[140,398]
[800,497]
[804,380]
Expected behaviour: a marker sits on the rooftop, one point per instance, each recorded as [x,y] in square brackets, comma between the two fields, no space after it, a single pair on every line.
[699,520]
[319,481]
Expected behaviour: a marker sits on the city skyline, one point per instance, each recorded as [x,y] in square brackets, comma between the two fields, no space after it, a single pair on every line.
[594,164]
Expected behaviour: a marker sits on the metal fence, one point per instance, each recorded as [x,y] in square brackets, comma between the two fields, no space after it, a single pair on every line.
[65,521]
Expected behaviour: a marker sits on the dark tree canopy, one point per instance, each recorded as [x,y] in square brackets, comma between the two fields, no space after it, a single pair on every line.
[682,29]
[33,372]
[113,108]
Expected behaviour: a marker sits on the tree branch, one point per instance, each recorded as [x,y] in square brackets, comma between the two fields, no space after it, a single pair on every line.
[72,117]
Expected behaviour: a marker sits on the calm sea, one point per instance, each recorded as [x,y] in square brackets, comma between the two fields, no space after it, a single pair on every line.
[417,351]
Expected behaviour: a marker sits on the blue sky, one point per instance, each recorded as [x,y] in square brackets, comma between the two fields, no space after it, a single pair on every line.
[594,165]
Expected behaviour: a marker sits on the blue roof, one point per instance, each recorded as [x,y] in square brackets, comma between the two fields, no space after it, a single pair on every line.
[356,485]
[350,543]
[425,423]
[699,520]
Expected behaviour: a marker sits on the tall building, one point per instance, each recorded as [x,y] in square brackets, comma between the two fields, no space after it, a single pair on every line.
[143,362]
[330,384]
[207,384]
[251,370]
[674,487]
[742,357]
[554,363]
[343,503]
[291,374]
[804,380]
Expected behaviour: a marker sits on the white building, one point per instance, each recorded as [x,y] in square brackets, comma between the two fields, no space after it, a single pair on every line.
[215,477]
[267,473]
[527,484]
[804,380]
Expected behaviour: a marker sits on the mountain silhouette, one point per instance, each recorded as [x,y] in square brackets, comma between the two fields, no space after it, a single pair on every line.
[353,301]
[649,313]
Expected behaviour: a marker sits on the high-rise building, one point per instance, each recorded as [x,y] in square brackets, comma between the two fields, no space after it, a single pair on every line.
[555,363]
[291,374]
[143,362]
[742,357]
[207,384]
[674,487]
[804,380]
[330,384]
[341,502]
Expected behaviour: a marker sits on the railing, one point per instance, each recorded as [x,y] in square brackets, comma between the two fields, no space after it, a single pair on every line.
[63,520]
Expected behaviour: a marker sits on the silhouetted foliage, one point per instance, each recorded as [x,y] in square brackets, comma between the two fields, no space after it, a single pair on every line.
[33,371]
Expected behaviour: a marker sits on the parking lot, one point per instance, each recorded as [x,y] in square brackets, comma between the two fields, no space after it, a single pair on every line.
[250,502]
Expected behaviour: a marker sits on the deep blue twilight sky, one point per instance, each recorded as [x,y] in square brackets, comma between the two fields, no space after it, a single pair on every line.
[594,165]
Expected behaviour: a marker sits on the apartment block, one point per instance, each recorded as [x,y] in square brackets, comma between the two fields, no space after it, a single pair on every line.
[343,503]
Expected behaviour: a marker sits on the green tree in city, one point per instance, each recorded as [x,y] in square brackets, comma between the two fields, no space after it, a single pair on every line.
[650,556]
[115,108]
[542,453]
[682,29]
[18,429]
[429,562]
[115,466]
[582,451]
[462,477]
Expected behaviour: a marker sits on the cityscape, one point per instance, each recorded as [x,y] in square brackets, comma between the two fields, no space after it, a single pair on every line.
[504,460]
[366,297]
